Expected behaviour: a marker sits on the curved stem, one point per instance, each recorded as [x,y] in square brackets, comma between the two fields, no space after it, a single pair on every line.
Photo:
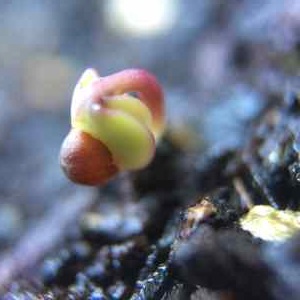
[135,80]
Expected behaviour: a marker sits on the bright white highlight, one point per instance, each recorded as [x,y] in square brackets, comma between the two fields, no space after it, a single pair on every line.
[142,17]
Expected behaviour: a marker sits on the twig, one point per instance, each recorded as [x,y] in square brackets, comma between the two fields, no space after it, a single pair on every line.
[258,180]
[44,236]
[239,186]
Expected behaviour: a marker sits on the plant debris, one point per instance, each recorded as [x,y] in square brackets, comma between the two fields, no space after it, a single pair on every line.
[269,224]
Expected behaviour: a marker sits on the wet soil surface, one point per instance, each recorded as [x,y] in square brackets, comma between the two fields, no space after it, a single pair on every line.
[172,230]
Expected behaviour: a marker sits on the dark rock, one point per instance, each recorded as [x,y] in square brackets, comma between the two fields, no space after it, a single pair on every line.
[284,260]
[223,259]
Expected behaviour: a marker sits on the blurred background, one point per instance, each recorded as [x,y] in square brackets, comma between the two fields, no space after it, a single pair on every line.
[217,61]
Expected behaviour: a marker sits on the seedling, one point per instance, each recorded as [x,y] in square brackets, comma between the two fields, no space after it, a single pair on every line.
[111,129]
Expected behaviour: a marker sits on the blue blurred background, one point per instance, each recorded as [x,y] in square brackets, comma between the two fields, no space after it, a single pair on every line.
[219,57]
